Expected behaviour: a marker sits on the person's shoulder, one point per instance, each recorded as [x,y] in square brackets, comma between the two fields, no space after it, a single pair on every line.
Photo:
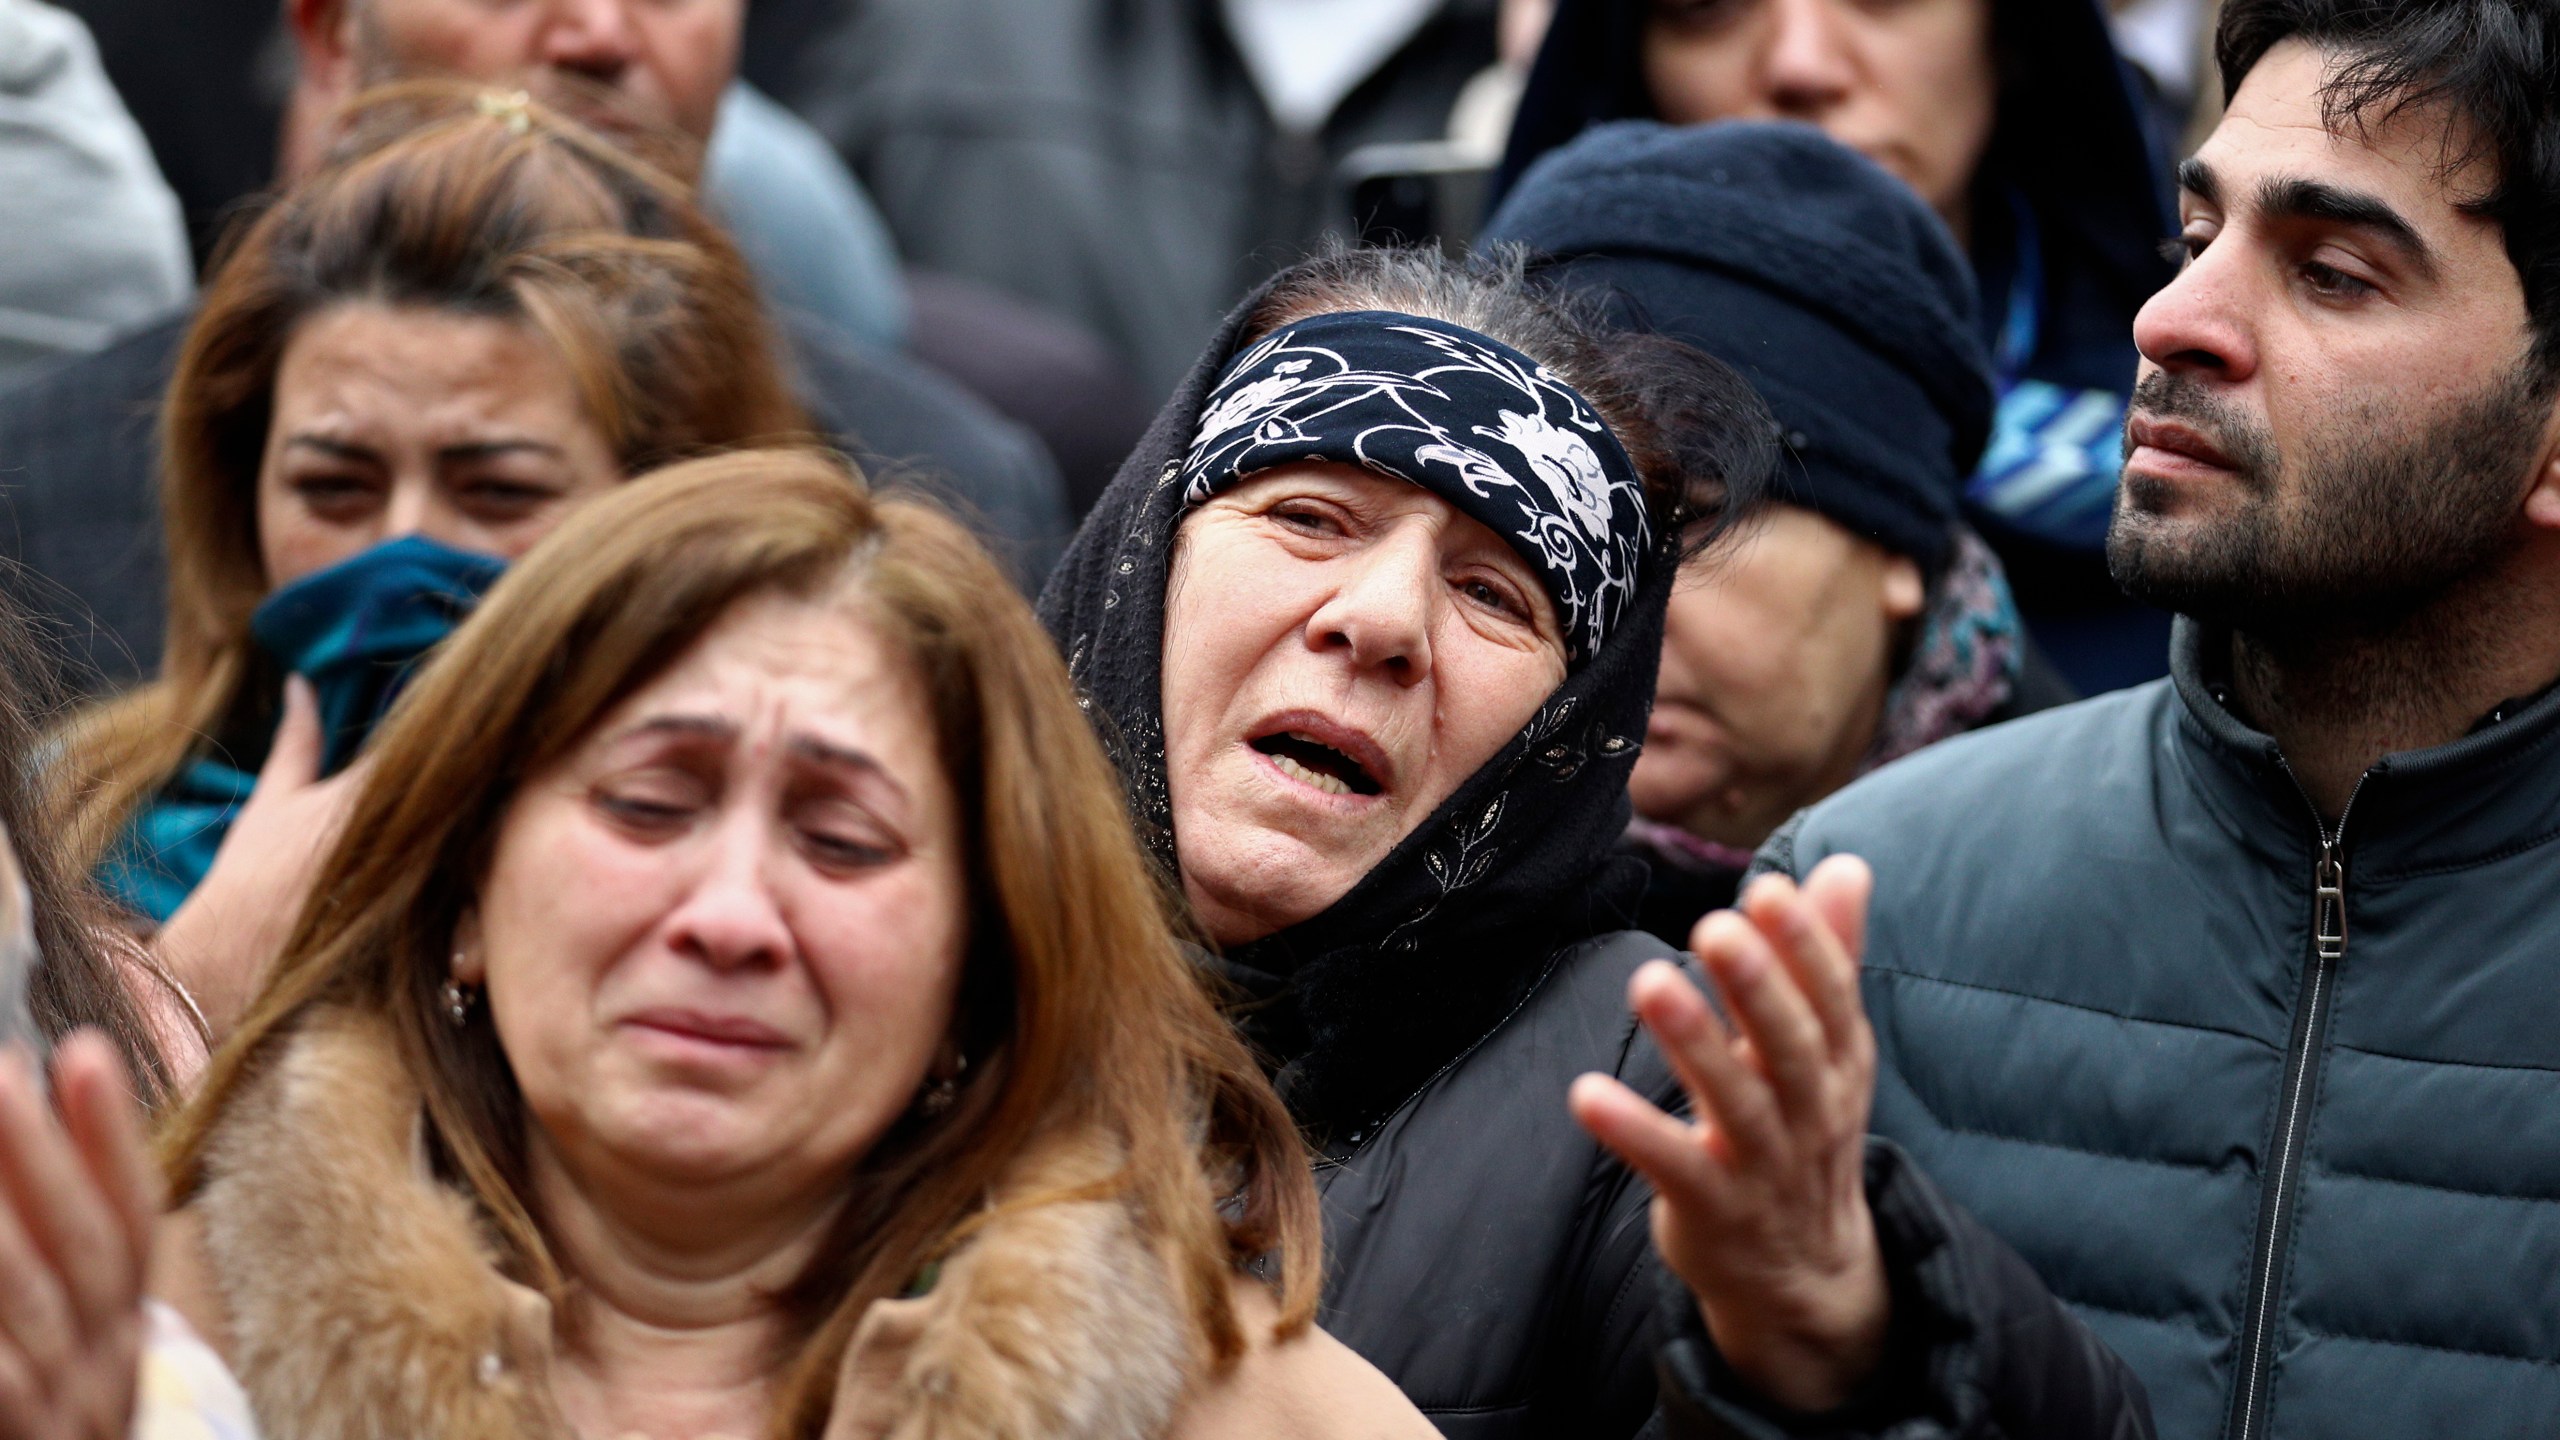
[2040,765]
[136,364]
[904,423]
[889,407]
[79,456]
[1305,1385]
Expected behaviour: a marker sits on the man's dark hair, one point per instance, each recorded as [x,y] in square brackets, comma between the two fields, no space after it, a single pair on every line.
[2493,65]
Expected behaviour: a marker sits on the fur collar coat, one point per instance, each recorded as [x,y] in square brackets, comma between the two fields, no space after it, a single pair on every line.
[353,1296]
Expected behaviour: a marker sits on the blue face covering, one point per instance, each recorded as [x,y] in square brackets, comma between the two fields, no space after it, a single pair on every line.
[356,631]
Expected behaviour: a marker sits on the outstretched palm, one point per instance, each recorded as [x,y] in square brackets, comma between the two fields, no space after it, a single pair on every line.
[1760,1200]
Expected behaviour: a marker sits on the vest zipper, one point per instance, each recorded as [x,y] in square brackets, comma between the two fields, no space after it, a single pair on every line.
[2301,1073]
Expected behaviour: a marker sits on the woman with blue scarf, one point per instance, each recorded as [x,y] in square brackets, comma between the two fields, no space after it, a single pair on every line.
[477,317]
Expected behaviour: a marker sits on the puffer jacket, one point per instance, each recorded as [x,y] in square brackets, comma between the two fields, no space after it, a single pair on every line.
[1508,1299]
[2273,1105]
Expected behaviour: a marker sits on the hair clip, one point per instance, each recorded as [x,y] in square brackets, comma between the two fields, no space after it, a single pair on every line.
[513,107]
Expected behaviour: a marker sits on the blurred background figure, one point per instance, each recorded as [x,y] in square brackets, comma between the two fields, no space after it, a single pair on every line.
[2170,46]
[75,966]
[1859,619]
[782,190]
[482,317]
[2017,123]
[93,244]
[78,445]
[1134,165]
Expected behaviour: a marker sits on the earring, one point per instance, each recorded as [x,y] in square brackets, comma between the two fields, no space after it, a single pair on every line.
[458,998]
[943,1093]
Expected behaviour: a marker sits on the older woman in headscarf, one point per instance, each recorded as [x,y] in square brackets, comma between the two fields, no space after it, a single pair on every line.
[738,1007]
[1372,619]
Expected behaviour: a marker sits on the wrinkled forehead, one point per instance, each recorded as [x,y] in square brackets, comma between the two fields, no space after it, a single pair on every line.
[2284,139]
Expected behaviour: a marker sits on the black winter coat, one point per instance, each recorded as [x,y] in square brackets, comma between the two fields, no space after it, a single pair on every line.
[2274,1105]
[1485,1251]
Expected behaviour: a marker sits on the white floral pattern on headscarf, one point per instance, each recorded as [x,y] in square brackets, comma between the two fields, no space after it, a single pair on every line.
[1460,414]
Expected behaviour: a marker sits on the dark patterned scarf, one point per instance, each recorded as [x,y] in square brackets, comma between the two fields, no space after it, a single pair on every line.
[1357,1007]
[1462,415]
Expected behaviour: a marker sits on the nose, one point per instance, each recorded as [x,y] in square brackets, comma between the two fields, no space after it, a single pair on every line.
[729,918]
[592,38]
[412,510]
[1381,615]
[2198,323]
[1811,63]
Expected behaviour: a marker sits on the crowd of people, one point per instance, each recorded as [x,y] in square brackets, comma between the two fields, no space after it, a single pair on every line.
[637,797]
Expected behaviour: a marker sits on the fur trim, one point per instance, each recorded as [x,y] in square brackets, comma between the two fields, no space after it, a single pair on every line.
[1055,1320]
[365,1302]
[361,1301]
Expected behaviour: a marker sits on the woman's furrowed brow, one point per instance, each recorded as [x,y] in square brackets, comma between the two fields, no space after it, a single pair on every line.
[837,755]
[702,727]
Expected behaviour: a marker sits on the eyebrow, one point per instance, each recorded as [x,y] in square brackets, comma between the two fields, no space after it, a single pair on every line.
[2294,197]
[695,727]
[468,450]
[806,747]
[486,449]
[335,449]
[2197,179]
[827,752]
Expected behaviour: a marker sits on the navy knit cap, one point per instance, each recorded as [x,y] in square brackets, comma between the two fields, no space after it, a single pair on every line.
[1807,267]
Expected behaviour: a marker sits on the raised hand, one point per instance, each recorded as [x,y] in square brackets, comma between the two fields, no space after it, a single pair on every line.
[221,941]
[78,1200]
[1760,1201]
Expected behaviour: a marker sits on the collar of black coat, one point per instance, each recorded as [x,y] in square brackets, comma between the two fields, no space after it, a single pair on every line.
[2488,795]
[1356,1009]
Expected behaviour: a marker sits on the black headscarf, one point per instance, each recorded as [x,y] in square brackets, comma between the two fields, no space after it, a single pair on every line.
[1357,1007]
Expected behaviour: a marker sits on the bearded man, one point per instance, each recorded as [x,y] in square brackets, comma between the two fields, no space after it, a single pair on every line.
[2225,1002]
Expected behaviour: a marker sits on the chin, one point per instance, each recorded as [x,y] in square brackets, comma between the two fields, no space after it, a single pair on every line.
[684,1135]
[1260,880]
[1668,784]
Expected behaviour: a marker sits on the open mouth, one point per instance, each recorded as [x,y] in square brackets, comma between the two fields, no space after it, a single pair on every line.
[1315,764]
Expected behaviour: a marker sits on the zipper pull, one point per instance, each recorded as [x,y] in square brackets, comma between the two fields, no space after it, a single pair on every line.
[2329,889]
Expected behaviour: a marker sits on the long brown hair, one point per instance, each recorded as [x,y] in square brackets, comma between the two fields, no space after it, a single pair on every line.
[445,197]
[89,974]
[1082,1009]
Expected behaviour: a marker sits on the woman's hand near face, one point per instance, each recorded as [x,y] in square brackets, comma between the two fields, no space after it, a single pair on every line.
[1760,1204]
[78,1200]
[220,942]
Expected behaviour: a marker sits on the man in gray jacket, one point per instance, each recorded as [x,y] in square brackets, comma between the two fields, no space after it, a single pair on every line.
[2225,1001]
